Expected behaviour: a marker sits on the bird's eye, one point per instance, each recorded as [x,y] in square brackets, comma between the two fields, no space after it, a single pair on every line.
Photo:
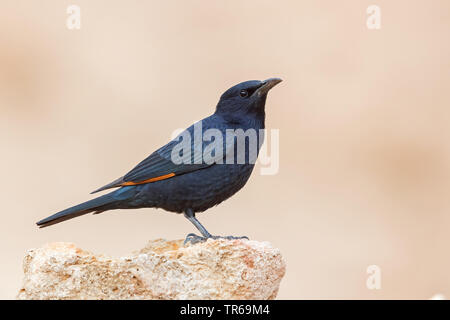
[243,93]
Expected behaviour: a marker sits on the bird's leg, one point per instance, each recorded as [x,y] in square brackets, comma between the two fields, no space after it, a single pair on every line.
[193,238]
[190,215]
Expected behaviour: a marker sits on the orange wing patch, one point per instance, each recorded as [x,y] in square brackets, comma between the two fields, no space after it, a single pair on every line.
[166,176]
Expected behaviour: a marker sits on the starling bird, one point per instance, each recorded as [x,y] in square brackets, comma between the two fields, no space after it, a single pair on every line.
[181,179]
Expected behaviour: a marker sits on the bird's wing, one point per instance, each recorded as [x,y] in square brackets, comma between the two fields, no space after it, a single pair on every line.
[160,165]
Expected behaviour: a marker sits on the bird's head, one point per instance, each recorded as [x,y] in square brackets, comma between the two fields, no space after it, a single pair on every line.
[247,97]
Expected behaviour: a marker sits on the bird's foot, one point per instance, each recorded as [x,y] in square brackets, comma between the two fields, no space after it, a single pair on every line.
[193,238]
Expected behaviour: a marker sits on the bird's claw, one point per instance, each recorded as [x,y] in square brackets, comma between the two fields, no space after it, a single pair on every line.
[194,239]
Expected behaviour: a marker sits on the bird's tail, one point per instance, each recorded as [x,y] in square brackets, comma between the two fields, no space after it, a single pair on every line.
[106,202]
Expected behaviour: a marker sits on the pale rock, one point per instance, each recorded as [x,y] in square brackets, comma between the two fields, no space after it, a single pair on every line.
[215,269]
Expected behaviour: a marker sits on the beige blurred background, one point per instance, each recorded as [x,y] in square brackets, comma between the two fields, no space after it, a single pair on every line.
[363,116]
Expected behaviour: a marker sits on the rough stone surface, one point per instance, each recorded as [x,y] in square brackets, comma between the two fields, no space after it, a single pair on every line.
[216,269]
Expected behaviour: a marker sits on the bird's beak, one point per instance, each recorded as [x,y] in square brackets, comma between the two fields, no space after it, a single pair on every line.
[267,85]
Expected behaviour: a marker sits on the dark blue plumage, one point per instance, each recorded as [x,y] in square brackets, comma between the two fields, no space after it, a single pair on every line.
[196,184]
